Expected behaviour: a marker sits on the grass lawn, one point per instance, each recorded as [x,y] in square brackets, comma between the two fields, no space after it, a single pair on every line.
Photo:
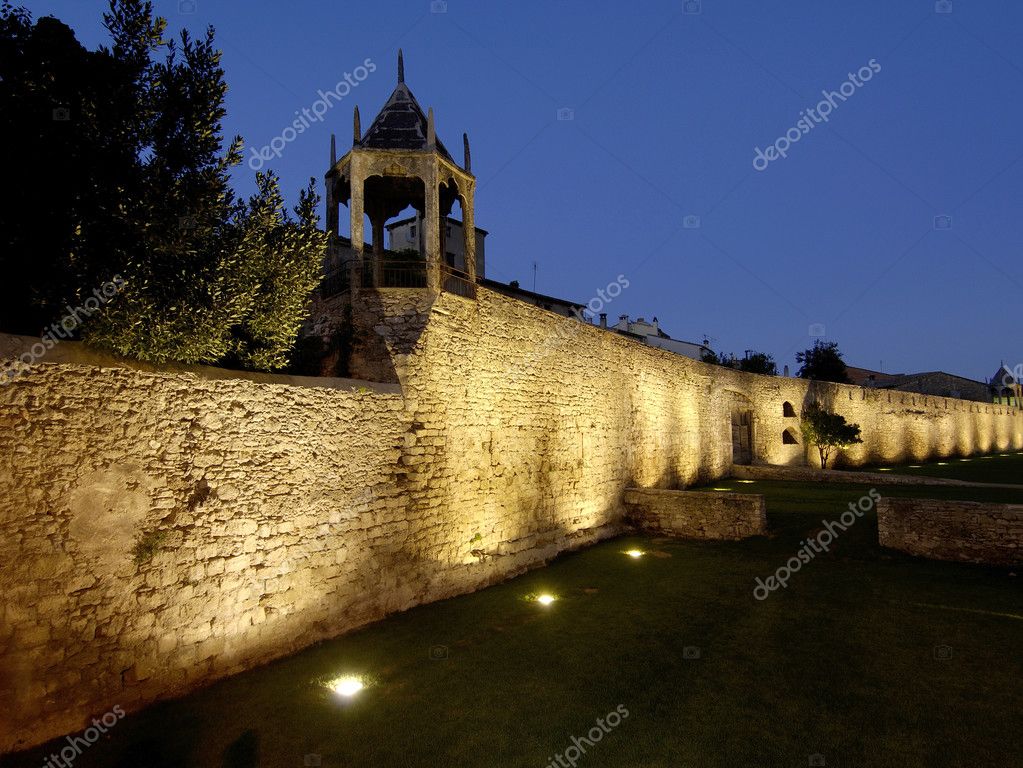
[1004,467]
[849,661]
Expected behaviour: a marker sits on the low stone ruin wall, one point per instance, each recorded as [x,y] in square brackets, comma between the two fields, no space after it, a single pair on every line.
[964,531]
[696,515]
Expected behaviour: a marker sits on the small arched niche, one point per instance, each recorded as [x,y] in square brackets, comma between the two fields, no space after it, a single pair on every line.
[788,437]
[787,410]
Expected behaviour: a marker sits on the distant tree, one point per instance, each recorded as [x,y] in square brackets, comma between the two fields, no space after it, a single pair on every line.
[828,431]
[823,362]
[755,362]
[758,362]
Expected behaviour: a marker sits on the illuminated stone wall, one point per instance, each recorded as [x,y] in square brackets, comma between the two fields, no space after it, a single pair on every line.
[270,513]
[268,518]
[964,531]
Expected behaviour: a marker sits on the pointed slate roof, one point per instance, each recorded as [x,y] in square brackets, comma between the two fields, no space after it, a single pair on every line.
[1004,377]
[401,124]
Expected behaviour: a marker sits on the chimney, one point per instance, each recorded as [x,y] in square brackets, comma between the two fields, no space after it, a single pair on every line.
[603,319]
[786,370]
[655,323]
[623,320]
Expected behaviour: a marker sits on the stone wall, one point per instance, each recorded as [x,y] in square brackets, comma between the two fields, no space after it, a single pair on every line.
[269,512]
[965,531]
[696,515]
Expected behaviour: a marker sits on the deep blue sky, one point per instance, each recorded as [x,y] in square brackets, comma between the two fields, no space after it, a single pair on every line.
[668,107]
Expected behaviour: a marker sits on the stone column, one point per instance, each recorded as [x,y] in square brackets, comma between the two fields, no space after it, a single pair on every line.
[431,221]
[357,212]
[469,234]
[378,247]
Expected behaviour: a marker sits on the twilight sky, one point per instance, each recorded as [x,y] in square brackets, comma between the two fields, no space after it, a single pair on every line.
[848,230]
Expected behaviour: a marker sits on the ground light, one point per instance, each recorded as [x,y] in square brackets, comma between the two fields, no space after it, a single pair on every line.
[745,481]
[914,466]
[634,552]
[722,489]
[884,469]
[545,599]
[346,686]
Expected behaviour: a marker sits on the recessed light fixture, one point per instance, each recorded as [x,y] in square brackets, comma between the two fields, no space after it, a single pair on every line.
[346,686]
[634,553]
[545,599]
[746,481]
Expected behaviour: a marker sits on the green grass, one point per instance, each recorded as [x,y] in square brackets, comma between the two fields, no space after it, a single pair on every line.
[1004,467]
[842,662]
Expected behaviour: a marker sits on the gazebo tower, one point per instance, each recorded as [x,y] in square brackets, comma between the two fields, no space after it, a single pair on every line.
[400,162]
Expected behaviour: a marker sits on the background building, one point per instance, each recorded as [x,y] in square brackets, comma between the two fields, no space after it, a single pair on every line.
[406,234]
[650,333]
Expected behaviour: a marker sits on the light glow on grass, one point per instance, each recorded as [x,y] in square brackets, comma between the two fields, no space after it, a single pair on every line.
[884,469]
[346,686]
[634,552]
[914,466]
[721,489]
[942,463]
[546,599]
[746,481]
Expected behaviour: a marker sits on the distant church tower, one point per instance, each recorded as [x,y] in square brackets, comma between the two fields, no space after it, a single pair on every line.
[400,162]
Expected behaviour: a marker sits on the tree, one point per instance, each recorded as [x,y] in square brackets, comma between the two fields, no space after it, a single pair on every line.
[140,187]
[246,305]
[828,431]
[823,362]
[78,115]
[759,362]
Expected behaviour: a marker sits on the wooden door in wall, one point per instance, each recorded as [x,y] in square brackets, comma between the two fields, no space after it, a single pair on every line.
[742,436]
